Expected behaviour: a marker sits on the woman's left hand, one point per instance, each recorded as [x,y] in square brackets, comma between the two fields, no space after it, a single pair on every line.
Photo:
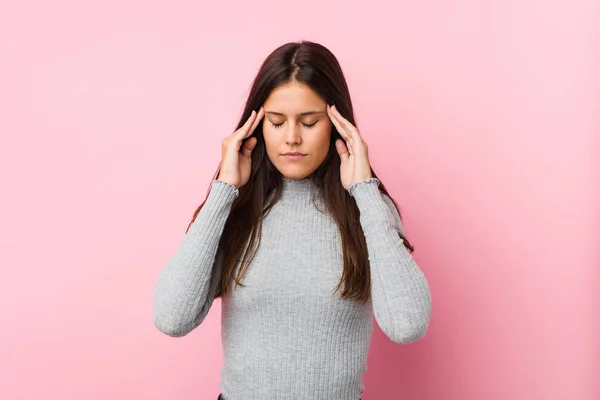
[355,165]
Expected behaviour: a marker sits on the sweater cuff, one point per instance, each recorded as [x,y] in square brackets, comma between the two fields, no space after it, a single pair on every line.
[222,192]
[358,188]
[227,187]
[369,200]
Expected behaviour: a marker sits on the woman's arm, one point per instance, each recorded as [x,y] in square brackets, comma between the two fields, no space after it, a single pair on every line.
[400,292]
[187,284]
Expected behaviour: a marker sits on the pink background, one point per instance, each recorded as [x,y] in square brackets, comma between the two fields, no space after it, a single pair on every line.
[481,117]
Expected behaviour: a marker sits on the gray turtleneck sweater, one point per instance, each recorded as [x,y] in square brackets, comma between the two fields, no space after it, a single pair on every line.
[284,335]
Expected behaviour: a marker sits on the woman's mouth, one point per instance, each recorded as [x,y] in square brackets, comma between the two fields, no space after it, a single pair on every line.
[293,156]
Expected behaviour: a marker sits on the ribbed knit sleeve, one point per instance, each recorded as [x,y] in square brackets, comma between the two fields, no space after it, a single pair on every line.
[400,292]
[186,285]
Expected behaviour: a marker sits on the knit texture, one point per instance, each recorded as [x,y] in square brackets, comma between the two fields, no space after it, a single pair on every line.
[286,335]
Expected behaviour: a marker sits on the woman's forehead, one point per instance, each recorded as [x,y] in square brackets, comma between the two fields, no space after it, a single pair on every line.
[295,100]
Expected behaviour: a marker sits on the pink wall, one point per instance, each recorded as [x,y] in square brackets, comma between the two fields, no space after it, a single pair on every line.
[480,118]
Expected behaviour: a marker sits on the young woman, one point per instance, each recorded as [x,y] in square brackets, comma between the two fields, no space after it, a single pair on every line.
[301,241]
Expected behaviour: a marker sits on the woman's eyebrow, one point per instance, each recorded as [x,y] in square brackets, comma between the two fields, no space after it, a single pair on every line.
[301,114]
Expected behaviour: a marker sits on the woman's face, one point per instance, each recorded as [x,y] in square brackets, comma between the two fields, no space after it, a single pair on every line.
[296,121]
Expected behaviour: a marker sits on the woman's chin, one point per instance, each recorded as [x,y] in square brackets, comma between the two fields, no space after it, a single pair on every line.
[296,176]
[295,173]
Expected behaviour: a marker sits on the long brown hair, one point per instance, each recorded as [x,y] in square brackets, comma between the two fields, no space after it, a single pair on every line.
[315,66]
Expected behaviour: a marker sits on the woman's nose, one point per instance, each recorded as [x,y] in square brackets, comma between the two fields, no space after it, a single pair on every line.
[293,135]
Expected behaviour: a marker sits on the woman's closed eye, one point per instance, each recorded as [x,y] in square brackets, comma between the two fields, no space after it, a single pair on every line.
[305,125]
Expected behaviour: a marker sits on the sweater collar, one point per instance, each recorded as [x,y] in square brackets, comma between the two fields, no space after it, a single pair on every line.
[297,186]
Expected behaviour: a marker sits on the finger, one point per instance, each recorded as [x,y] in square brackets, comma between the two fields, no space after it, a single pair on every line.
[241,133]
[261,113]
[342,150]
[249,146]
[347,124]
[349,142]
[340,128]
[341,118]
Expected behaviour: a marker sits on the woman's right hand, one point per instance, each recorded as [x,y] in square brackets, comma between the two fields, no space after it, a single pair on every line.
[235,162]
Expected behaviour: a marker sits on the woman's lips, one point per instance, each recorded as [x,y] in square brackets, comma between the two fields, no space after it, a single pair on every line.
[293,156]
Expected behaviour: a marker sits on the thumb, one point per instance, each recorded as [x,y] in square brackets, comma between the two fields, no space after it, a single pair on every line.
[248,146]
[342,150]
